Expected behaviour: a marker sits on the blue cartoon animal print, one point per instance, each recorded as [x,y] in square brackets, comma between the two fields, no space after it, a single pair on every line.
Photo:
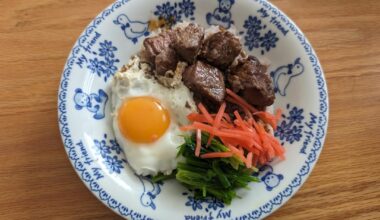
[270,179]
[222,14]
[283,75]
[95,103]
[151,190]
[132,29]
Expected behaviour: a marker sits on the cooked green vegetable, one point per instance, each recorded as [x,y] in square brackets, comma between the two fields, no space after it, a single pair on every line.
[216,177]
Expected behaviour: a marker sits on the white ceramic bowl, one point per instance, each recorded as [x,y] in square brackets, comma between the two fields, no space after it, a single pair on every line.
[117,33]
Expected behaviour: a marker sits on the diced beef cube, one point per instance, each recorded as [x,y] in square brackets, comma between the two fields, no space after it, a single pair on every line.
[221,48]
[249,78]
[188,41]
[205,81]
[165,61]
[155,45]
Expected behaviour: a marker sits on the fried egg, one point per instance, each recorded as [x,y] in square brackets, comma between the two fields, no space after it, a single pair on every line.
[147,117]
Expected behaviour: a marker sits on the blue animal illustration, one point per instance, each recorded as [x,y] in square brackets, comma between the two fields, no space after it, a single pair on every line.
[270,179]
[132,29]
[151,190]
[222,14]
[95,103]
[283,75]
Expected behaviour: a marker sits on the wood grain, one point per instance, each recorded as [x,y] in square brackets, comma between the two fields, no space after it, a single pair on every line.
[38,182]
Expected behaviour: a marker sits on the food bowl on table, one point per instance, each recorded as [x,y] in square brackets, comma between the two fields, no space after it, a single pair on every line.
[85,107]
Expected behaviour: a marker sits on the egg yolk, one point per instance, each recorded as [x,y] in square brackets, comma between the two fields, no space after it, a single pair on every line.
[143,119]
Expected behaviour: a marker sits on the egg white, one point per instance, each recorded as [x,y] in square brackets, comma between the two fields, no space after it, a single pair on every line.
[159,156]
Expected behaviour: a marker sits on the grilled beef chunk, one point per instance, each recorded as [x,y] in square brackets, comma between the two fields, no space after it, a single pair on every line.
[250,79]
[206,81]
[188,41]
[165,61]
[155,45]
[220,49]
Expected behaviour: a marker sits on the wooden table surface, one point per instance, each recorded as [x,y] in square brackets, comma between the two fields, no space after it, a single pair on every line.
[38,182]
